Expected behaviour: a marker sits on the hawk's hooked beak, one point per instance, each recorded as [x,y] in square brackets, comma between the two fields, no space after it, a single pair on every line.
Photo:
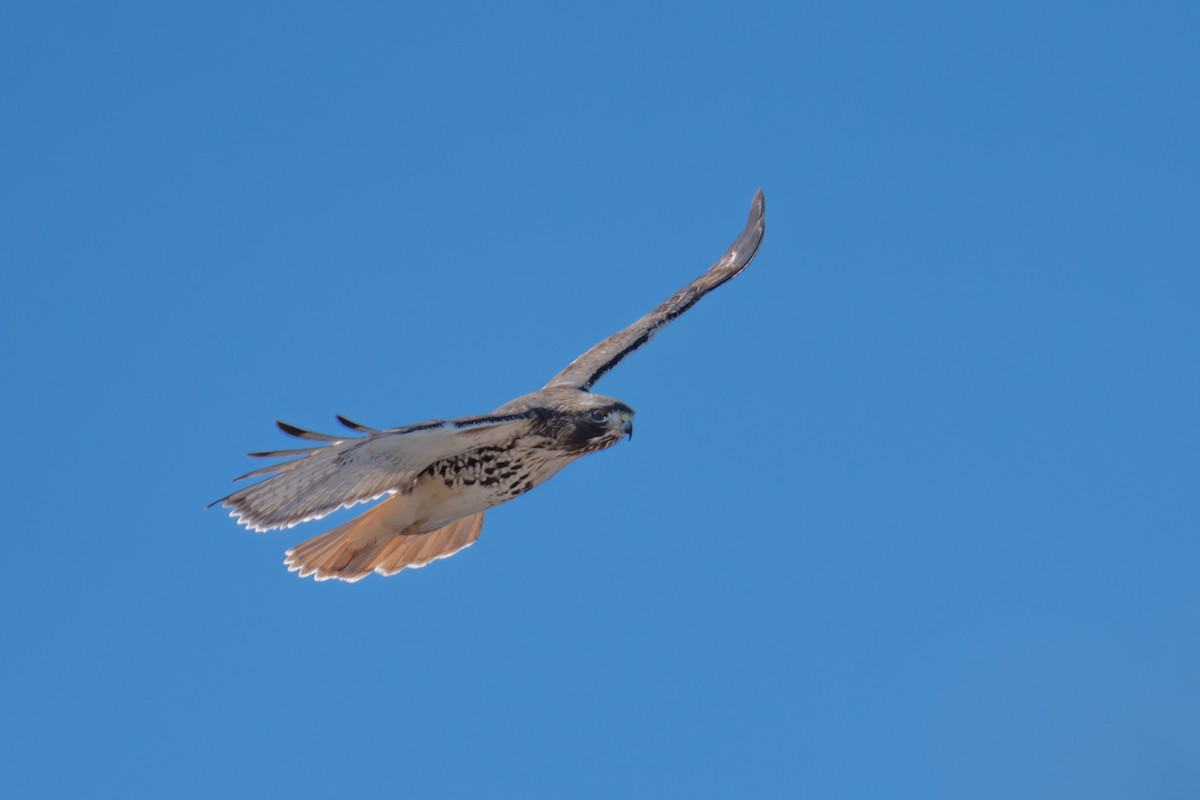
[627,424]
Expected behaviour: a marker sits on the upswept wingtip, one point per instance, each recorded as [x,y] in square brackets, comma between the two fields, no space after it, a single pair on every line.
[752,236]
[758,209]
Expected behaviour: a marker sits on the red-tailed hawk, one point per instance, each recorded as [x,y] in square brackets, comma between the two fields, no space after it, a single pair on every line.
[439,477]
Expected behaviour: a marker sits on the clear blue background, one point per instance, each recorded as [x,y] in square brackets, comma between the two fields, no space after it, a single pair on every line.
[912,507]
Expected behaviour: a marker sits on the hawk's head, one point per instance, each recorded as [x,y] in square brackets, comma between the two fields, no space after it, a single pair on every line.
[582,422]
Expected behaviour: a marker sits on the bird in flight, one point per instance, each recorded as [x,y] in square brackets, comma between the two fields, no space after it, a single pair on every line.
[440,476]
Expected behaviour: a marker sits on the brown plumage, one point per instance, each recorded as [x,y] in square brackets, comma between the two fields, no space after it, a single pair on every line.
[440,476]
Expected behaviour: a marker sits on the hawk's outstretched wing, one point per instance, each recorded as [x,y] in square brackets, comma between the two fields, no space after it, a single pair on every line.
[345,471]
[583,372]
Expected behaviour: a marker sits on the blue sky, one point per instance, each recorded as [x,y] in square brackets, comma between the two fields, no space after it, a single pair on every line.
[911,510]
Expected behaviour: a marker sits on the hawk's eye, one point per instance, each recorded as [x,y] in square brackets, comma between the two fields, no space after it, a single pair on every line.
[598,416]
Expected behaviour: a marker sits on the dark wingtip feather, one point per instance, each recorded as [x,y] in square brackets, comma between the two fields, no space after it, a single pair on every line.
[300,433]
[355,426]
[303,451]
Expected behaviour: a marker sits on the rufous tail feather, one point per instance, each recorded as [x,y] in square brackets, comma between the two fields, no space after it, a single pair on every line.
[366,544]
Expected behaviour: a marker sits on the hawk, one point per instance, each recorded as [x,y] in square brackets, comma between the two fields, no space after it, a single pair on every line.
[439,477]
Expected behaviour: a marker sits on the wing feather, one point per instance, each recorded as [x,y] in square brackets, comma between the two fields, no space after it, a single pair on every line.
[358,469]
[355,426]
[585,371]
[303,451]
[300,433]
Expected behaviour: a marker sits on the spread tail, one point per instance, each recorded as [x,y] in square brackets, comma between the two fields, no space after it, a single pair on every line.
[369,543]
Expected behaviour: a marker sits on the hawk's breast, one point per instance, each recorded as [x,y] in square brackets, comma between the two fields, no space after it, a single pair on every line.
[488,476]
